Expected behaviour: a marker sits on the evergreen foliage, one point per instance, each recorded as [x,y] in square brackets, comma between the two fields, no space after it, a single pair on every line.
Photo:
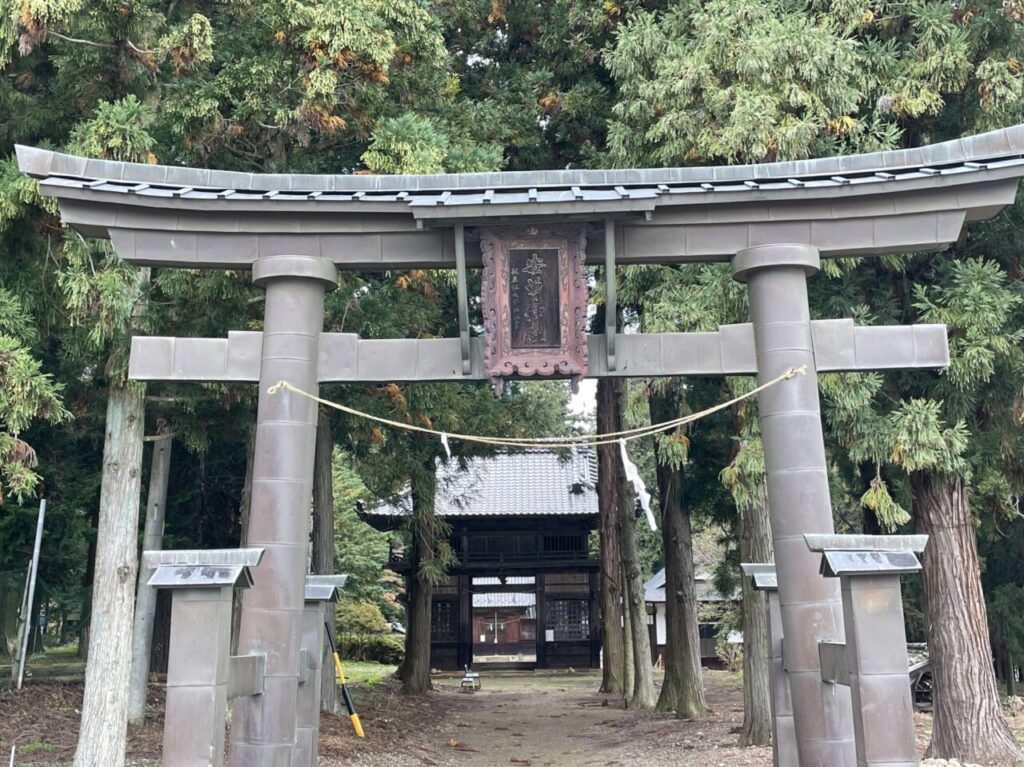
[415,86]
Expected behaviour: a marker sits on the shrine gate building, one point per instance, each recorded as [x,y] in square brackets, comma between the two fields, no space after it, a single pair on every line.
[524,593]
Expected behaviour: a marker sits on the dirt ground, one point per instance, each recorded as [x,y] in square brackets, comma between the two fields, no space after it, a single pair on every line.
[542,719]
[551,720]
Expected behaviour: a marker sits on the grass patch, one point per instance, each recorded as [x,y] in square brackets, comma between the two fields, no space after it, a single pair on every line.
[366,673]
[35,745]
[728,679]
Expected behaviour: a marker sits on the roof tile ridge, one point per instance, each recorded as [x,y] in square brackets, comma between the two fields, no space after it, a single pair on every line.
[1001,142]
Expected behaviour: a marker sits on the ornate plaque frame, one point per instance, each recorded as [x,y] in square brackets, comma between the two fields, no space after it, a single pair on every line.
[569,355]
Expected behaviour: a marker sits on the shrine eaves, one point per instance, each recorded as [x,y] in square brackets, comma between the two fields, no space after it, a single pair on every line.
[901,200]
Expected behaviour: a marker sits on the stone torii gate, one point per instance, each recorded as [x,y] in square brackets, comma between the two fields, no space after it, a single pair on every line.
[773,222]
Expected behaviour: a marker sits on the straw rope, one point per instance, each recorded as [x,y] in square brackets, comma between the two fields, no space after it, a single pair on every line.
[550,442]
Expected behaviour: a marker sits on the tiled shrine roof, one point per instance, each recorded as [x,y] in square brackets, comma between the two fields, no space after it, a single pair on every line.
[636,189]
[522,483]
[893,201]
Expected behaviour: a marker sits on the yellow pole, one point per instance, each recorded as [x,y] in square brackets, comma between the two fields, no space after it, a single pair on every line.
[346,696]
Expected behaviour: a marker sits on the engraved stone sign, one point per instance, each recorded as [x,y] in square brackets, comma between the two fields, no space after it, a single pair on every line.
[535,302]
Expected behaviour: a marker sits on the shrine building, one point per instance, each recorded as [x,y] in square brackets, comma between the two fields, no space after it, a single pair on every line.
[524,593]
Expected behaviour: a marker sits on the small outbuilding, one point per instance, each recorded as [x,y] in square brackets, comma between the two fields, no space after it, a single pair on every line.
[707,596]
[525,591]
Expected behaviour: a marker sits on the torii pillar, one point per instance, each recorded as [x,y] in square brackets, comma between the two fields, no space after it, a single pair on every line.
[263,727]
[798,494]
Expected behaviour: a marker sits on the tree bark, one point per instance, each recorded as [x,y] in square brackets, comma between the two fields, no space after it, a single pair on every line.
[682,690]
[10,602]
[323,543]
[628,668]
[415,669]
[608,488]
[103,731]
[145,595]
[968,719]
[756,546]
[88,580]
[643,695]
[160,650]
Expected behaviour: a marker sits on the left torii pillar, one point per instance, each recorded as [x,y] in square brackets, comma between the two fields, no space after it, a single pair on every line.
[263,727]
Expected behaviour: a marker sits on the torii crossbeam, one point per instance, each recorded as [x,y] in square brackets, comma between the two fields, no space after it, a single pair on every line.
[772,221]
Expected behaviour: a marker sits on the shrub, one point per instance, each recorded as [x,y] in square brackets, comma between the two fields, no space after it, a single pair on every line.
[379,648]
[386,648]
[360,618]
[730,653]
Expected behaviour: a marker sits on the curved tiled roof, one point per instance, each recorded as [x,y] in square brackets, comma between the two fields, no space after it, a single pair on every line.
[894,201]
[963,155]
[521,483]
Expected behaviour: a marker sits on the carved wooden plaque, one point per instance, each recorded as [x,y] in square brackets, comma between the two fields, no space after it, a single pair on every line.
[534,301]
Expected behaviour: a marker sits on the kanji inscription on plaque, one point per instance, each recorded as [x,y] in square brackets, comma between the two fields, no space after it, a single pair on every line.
[535,302]
[533,298]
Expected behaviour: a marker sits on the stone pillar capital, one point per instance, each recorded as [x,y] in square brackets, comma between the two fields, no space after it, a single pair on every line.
[757,257]
[270,268]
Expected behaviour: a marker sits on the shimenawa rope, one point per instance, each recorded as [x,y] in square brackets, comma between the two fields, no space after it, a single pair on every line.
[550,442]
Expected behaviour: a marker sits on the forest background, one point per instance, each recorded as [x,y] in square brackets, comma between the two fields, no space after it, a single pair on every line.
[420,86]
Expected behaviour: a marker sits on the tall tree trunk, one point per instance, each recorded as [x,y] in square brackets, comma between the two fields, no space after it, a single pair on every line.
[10,603]
[628,668]
[244,509]
[145,595]
[103,731]
[406,598]
[683,688]
[160,650]
[643,694]
[608,489]
[323,543]
[968,720]
[755,546]
[416,665]
[415,670]
[88,579]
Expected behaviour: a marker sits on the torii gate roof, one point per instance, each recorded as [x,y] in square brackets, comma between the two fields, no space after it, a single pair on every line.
[901,200]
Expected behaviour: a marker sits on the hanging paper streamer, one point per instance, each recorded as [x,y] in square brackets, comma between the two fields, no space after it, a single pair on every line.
[447,447]
[633,475]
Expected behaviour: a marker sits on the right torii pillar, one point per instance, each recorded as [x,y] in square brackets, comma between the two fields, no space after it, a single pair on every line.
[798,494]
